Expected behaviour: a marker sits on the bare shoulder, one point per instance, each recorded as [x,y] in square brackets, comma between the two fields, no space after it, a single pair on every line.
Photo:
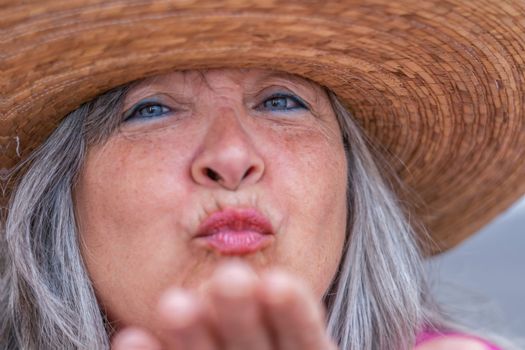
[453,343]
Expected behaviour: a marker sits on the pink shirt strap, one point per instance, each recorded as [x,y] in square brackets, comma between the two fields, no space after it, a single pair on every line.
[427,336]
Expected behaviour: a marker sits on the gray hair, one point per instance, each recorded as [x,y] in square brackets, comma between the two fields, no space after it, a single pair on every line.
[49,302]
[378,299]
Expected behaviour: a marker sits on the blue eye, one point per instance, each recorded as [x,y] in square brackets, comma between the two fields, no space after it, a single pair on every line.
[281,102]
[147,110]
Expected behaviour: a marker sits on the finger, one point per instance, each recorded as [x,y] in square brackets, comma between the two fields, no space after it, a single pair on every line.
[185,322]
[236,310]
[294,315]
[134,339]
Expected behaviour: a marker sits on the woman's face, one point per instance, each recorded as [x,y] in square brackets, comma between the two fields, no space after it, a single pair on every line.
[208,166]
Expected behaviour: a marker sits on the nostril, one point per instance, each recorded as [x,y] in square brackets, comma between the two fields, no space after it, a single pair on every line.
[212,174]
[248,172]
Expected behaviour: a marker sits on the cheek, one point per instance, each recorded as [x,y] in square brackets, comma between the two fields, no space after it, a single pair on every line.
[128,177]
[130,187]
[312,180]
[125,201]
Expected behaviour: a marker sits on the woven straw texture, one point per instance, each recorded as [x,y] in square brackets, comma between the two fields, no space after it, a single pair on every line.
[439,86]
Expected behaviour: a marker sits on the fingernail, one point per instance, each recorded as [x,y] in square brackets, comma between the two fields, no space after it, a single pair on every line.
[178,307]
[234,279]
[277,286]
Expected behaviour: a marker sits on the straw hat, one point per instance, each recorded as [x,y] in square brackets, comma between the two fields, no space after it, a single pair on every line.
[439,85]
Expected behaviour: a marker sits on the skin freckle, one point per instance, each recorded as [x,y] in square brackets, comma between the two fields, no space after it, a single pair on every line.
[147,190]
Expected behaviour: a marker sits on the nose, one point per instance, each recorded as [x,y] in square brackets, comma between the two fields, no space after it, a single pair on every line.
[227,157]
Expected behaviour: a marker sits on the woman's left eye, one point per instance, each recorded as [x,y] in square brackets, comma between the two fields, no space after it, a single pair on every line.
[147,110]
[282,103]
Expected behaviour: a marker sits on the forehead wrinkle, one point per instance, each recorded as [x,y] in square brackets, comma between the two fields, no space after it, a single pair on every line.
[232,90]
[194,77]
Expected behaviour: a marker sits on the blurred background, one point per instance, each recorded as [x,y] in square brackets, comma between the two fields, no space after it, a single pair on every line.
[484,277]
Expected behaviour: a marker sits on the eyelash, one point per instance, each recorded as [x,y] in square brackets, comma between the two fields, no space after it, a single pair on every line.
[136,110]
[300,104]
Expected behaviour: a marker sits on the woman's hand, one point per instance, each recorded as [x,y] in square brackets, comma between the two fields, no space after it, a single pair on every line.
[237,311]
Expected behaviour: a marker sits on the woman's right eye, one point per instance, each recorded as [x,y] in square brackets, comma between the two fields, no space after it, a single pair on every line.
[147,110]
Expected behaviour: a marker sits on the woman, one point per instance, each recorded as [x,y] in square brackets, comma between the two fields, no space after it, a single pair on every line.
[214,208]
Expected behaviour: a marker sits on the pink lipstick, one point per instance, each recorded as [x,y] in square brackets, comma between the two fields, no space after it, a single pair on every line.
[235,231]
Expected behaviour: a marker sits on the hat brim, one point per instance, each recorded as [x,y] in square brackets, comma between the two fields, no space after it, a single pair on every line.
[438,86]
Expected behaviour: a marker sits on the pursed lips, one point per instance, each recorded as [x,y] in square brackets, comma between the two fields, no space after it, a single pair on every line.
[235,231]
